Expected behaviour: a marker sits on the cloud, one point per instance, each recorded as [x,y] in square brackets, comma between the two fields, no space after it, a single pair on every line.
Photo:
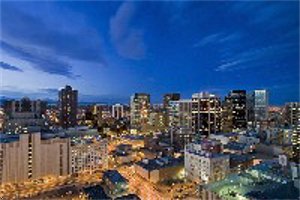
[49,42]
[7,66]
[49,90]
[218,38]
[39,60]
[262,56]
[127,40]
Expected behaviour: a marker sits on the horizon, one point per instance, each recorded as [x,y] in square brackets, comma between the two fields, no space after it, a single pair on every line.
[115,49]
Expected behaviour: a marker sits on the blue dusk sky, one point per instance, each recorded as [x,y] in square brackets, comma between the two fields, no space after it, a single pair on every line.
[109,50]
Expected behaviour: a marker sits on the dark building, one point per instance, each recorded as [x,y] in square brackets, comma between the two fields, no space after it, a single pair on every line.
[115,184]
[67,104]
[23,113]
[257,106]
[170,97]
[166,103]
[24,105]
[291,112]
[234,111]
[206,114]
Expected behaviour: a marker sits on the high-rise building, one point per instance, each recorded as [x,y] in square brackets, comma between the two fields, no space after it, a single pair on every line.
[118,111]
[180,116]
[170,97]
[258,103]
[234,111]
[206,114]
[167,98]
[33,155]
[139,110]
[291,113]
[292,118]
[23,113]
[67,103]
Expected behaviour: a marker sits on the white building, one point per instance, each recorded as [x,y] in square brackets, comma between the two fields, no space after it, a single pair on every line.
[118,111]
[202,166]
[89,156]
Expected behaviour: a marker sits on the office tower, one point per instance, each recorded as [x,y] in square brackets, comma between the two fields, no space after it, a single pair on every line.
[206,114]
[118,111]
[292,118]
[258,103]
[166,99]
[180,116]
[33,155]
[234,112]
[67,103]
[139,110]
[291,113]
[170,97]
[23,113]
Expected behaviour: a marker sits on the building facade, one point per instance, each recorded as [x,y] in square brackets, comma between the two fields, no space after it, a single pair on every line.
[160,169]
[206,114]
[67,104]
[203,166]
[180,122]
[291,113]
[117,111]
[23,113]
[258,103]
[30,156]
[294,121]
[234,111]
[89,156]
[139,110]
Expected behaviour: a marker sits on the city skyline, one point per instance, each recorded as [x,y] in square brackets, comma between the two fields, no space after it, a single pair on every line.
[110,50]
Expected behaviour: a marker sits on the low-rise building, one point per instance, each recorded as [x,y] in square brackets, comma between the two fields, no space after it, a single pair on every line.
[115,184]
[239,163]
[267,180]
[204,166]
[237,148]
[89,155]
[160,169]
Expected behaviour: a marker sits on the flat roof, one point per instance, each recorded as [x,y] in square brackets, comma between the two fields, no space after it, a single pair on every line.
[160,163]
[114,176]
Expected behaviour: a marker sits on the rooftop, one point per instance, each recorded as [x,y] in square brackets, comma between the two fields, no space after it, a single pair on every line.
[262,181]
[235,146]
[160,163]
[114,176]
[6,138]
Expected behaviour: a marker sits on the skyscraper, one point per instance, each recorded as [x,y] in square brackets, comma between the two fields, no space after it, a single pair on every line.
[206,114]
[292,118]
[170,97]
[180,116]
[67,104]
[291,113]
[139,110]
[166,100]
[234,111]
[258,103]
[261,104]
